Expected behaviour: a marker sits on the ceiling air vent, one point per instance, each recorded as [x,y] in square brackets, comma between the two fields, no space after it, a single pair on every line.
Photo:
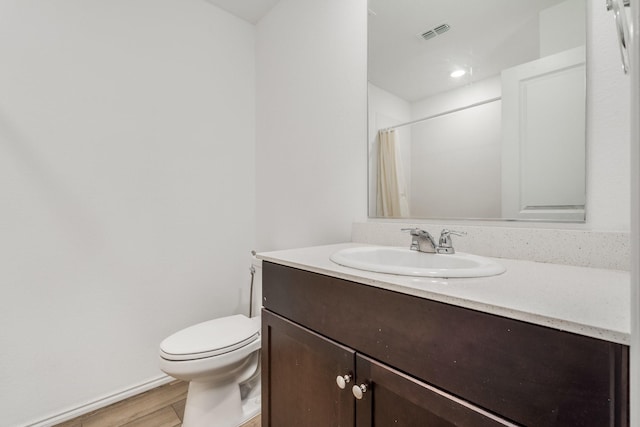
[440,29]
[429,34]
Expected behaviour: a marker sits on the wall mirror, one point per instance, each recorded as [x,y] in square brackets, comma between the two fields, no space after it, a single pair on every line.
[477,109]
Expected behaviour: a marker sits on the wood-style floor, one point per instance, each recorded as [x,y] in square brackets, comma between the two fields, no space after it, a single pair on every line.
[160,407]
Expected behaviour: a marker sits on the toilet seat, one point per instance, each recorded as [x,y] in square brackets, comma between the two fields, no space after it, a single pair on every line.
[211,338]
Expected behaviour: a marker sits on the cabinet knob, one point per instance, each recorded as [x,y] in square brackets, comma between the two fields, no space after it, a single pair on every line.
[343,380]
[359,390]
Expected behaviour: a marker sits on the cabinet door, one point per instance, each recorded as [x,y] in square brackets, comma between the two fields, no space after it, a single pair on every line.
[299,370]
[396,399]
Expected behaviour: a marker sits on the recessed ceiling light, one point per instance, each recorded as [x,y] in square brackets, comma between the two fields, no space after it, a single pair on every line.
[458,73]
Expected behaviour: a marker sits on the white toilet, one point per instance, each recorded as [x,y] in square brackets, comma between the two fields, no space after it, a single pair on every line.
[221,360]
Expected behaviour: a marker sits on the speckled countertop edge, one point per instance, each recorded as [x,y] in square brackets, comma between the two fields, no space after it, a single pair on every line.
[587,301]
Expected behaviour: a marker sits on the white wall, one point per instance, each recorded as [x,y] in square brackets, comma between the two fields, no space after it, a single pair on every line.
[462,148]
[456,169]
[311,122]
[127,188]
[461,97]
[562,27]
[608,123]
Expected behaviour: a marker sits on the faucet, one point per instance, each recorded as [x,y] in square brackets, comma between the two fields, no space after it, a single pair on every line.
[422,241]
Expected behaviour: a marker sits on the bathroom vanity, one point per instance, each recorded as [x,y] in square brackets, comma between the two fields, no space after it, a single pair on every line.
[415,355]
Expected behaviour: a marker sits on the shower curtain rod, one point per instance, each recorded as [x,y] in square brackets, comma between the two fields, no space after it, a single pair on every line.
[444,113]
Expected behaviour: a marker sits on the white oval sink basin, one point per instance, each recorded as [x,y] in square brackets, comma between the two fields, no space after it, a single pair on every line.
[405,262]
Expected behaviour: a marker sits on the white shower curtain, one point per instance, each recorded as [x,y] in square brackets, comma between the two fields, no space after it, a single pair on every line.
[392,193]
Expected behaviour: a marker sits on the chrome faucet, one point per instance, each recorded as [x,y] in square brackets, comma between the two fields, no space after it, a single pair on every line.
[422,241]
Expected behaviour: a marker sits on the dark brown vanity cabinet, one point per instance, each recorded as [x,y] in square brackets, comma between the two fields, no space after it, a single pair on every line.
[424,363]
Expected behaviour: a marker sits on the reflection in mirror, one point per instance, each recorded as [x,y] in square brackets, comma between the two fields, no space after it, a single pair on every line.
[477,109]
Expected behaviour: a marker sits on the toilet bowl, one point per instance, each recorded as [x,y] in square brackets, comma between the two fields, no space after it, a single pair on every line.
[221,360]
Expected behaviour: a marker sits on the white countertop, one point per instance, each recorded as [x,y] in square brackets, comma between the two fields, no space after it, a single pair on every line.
[586,301]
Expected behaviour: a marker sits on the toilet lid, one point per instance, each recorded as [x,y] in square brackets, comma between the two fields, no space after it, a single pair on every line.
[210,338]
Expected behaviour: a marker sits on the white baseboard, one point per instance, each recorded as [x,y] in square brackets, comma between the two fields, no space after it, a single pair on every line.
[101,402]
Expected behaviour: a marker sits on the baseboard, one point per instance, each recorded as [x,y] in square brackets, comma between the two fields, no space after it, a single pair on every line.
[101,402]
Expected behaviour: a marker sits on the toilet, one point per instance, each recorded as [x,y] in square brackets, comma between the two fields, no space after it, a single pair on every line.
[221,360]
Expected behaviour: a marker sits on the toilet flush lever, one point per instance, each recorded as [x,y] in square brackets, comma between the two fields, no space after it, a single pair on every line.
[343,380]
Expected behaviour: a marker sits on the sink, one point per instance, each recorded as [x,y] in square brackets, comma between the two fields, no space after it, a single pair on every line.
[405,262]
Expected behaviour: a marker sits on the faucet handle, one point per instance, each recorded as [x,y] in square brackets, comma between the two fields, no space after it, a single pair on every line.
[414,231]
[447,232]
[445,245]
[411,231]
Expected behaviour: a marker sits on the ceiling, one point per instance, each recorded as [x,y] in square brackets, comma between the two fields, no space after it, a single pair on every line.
[485,36]
[249,10]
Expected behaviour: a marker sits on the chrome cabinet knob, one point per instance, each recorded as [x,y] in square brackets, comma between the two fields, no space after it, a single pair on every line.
[359,390]
[343,380]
